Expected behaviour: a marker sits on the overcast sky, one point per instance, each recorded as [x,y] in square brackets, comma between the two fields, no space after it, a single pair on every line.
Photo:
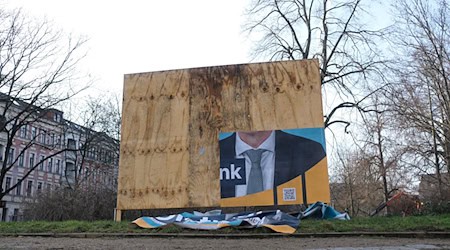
[148,35]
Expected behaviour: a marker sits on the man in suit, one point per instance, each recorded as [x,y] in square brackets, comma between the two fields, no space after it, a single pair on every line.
[284,157]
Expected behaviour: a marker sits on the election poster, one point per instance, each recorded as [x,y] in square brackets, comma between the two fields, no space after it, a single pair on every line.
[273,167]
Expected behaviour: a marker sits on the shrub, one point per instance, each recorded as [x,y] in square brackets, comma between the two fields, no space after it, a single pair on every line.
[90,203]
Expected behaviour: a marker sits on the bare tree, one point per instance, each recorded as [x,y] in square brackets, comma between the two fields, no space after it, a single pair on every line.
[91,168]
[372,171]
[98,134]
[355,187]
[382,143]
[331,31]
[421,97]
[37,73]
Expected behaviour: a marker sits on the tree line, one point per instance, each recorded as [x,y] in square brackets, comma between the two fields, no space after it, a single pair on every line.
[389,86]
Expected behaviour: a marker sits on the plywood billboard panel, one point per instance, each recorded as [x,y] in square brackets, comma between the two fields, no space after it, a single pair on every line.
[172,119]
[155,147]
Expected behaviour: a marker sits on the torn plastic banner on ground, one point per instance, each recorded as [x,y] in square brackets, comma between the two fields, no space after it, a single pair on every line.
[320,210]
[276,220]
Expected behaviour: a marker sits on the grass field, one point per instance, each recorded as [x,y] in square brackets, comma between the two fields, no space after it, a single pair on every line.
[377,224]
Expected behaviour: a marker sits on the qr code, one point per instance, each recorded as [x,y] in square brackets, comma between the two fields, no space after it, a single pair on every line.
[289,194]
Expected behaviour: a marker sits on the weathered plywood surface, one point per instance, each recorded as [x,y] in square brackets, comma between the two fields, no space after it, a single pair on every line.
[154,147]
[171,121]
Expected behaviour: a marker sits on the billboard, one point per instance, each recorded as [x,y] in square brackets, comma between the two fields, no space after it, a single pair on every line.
[177,126]
[269,167]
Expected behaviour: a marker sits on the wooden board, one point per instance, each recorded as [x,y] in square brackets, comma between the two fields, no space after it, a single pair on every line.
[172,119]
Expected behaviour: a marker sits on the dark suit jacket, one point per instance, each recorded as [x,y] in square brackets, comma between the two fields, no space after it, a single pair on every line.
[294,155]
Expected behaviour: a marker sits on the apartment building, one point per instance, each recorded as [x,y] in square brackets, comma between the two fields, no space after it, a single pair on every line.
[95,161]
[61,152]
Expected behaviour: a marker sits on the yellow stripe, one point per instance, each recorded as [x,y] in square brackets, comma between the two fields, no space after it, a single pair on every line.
[264,198]
[281,228]
[141,223]
[317,184]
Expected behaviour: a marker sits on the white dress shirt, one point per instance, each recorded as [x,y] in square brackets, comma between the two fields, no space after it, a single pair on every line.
[267,162]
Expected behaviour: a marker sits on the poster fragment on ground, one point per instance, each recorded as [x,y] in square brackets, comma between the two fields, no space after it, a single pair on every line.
[276,220]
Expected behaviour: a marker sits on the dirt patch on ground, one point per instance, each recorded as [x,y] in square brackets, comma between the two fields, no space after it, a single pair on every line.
[221,243]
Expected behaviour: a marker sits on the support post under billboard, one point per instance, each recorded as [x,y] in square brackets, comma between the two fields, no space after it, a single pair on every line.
[117,215]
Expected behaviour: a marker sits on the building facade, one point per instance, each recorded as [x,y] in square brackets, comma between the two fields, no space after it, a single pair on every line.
[94,161]
[50,153]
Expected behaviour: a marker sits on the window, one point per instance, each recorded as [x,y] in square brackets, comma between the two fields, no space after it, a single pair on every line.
[47,140]
[23,131]
[33,133]
[71,144]
[31,160]
[29,188]
[1,151]
[107,156]
[10,156]
[111,157]
[95,153]
[15,216]
[19,187]
[58,140]
[50,165]
[57,117]
[39,187]
[52,139]
[42,136]
[41,164]
[21,157]
[7,183]
[70,170]
[90,153]
[57,166]
[49,186]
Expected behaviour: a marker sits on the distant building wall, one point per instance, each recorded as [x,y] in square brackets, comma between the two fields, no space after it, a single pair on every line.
[50,135]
